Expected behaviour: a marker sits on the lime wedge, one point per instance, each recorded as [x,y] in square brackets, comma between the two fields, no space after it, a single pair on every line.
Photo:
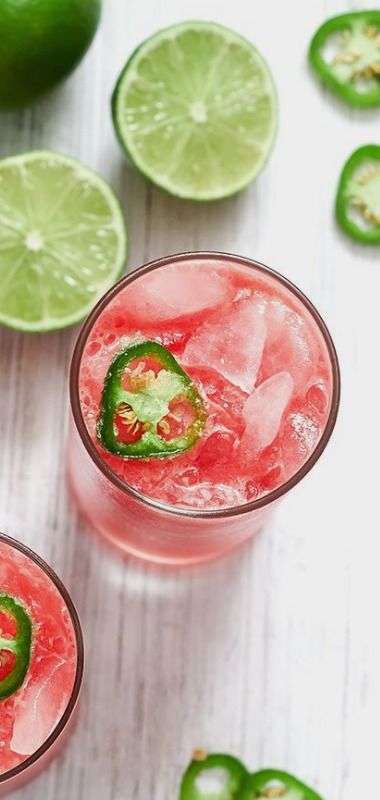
[195,110]
[63,240]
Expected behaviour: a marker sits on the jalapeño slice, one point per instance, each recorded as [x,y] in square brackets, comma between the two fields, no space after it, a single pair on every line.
[149,407]
[272,784]
[358,197]
[212,777]
[15,645]
[345,54]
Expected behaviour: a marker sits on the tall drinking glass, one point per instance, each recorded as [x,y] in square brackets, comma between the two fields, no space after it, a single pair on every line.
[41,664]
[263,363]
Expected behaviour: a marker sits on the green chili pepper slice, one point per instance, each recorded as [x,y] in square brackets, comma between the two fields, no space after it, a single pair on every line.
[15,645]
[272,784]
[357,204]
[345,54]
[149,407]
[212,777]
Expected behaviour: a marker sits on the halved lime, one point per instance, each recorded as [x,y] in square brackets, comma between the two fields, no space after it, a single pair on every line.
[195,109]
[63,240]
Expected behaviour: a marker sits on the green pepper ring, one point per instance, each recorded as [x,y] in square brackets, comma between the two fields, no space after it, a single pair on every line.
[20,645]
[151,445]
[235,769]
[345,92]
[369,151]
[257,781]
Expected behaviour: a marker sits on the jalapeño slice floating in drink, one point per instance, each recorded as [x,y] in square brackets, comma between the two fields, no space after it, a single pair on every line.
[15,645]
[150,407]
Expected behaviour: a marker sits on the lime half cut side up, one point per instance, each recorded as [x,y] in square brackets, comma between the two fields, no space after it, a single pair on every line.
[195,109]
[63,240]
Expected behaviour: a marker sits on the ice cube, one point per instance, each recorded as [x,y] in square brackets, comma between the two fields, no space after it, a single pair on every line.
[206,494]
[317,397]
[224,401]
[216,450]
[299,437]
[263,412]
[288,344]
[7,758]
[40,705]
[176,291]
[231,341]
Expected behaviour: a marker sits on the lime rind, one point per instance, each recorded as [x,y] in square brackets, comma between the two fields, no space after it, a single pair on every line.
[225,186]
[352,191]
[339,77]
[42,43]
[51,277]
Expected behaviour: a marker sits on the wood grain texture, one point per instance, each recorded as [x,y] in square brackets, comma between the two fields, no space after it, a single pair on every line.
[273,653]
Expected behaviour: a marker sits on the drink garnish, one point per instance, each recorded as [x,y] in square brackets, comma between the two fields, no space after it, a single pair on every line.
[150,407]
[358,196]
[345,54]
[15,645]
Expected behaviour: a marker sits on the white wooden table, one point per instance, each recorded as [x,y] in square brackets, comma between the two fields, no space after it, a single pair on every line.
[273,653]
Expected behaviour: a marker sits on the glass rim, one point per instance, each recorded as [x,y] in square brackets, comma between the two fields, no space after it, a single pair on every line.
[181,511]
[61,725]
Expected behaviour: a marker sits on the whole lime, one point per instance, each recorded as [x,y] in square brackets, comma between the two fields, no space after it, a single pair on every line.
[41,41]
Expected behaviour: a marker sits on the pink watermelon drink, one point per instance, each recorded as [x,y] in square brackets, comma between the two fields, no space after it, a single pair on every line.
[203,387]
[41,662]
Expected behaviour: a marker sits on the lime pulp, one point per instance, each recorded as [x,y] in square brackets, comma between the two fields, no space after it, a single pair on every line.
[195,110]
[63,240]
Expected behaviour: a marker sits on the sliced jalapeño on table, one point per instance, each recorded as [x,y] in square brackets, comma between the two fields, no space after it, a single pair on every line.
[272,784]
[15,645]
[150,407]
[357,204]
[212,777]
[345,55]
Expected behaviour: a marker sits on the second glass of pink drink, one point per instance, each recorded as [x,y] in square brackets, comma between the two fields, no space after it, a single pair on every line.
[262,376]
[41,664]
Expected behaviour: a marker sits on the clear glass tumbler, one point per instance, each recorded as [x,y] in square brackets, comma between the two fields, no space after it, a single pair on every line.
[145,526]
[36,719]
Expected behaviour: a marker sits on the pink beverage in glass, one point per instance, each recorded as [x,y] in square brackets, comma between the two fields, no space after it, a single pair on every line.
[40,632]
[264,367]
